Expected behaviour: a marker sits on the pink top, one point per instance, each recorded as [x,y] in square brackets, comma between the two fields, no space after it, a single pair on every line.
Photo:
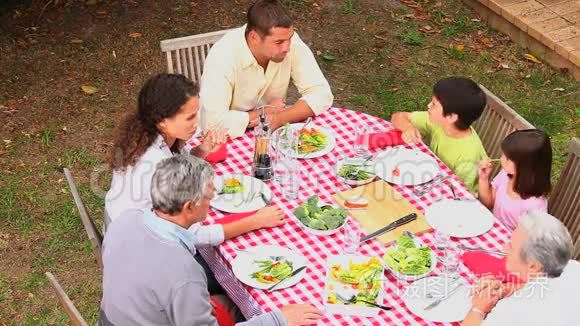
[509,210]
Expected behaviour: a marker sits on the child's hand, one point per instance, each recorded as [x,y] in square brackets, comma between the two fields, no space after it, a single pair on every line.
[484,169]
[412,135]
[268,217]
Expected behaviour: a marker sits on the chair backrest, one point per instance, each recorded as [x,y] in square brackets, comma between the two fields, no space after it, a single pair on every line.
[186,55]
[73,314]
[496,122]
[564,202]
[93,233]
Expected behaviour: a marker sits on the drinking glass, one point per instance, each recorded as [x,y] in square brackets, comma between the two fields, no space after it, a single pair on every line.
[451,259]
[351,238]
[361,141]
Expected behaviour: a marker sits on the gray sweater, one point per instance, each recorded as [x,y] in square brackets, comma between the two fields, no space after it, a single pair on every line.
[150,279]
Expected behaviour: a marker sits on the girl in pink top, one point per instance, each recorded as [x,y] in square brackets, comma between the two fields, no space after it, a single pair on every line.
[524,180]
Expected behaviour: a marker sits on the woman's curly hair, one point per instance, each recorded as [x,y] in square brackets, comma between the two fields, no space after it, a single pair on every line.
[161,97]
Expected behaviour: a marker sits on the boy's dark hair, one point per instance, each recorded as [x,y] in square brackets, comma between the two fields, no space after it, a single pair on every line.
[461,96]
[263,15]
[531,152]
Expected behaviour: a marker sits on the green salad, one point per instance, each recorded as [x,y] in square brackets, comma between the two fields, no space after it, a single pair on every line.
[406,258]
[272,271]
[349,171]
[232,186]
[311,140]
[319,218]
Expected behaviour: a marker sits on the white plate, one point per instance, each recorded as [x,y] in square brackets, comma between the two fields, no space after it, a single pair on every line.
[329,135]
[415,167]
[351,310]
[459,218]
[229,202]
[406,277]
[357,161]
[243,265]
[450,310]
[320,232]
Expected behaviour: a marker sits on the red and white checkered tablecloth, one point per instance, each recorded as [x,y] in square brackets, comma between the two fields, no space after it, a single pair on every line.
[319,178]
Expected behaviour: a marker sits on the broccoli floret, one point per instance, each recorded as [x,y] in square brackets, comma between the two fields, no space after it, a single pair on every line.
[302,212]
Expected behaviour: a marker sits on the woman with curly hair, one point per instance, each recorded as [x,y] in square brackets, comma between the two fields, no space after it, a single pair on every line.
[167,116]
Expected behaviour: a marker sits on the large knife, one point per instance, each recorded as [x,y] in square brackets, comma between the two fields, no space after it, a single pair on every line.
[296,271]
[391,226]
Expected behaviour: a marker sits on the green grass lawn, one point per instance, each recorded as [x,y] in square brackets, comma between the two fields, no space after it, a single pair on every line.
[381,57]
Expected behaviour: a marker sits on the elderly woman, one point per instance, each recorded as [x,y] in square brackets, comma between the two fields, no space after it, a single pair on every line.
[539,254]
[149,274]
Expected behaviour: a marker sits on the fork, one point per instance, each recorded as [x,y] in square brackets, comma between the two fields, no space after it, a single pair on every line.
[247,200]
[428,187]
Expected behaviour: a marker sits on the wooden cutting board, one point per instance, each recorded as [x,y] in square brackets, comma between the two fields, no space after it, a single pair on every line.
[385,206]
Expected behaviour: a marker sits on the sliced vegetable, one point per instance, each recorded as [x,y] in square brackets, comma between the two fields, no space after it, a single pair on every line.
[232,186]
[272,271]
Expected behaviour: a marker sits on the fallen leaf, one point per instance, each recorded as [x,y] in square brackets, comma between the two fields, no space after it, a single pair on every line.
[7,141]
[76,41]
[381,38]
[328,57]
[87,89]
[427,27]
[559,89]
[459,47]
[30,295]
[532,58]
[135,34]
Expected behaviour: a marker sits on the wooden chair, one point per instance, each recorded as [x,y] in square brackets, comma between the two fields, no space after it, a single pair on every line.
[73,314]
[93,233]
[496,122]
[564,202]
[186,55]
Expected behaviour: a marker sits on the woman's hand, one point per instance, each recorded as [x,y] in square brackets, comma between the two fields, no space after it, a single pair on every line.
[486,293]
[212,140]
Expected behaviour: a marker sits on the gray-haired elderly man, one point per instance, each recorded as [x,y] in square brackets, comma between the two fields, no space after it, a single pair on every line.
[150,276]
[539,253]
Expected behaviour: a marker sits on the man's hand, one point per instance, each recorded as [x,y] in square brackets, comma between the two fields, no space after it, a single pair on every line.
[301,314]
[254,116]
[412,135]
[268,217]
[278,102]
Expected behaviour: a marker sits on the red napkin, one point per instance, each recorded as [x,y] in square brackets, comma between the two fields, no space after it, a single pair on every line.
[384,139]
[221,314]
[219,155]
[482,264]
[233,217]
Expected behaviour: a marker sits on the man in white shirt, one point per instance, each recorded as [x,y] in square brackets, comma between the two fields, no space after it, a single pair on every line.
[252,66]
[539,253]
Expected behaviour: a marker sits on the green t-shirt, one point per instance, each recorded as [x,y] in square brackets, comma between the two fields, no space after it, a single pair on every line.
[462,155]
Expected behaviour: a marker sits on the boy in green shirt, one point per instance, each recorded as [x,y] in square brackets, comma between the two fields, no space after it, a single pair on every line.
[446,126]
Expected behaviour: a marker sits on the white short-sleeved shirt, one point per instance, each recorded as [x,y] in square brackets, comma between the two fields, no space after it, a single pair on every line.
[131,189]
[542,302]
